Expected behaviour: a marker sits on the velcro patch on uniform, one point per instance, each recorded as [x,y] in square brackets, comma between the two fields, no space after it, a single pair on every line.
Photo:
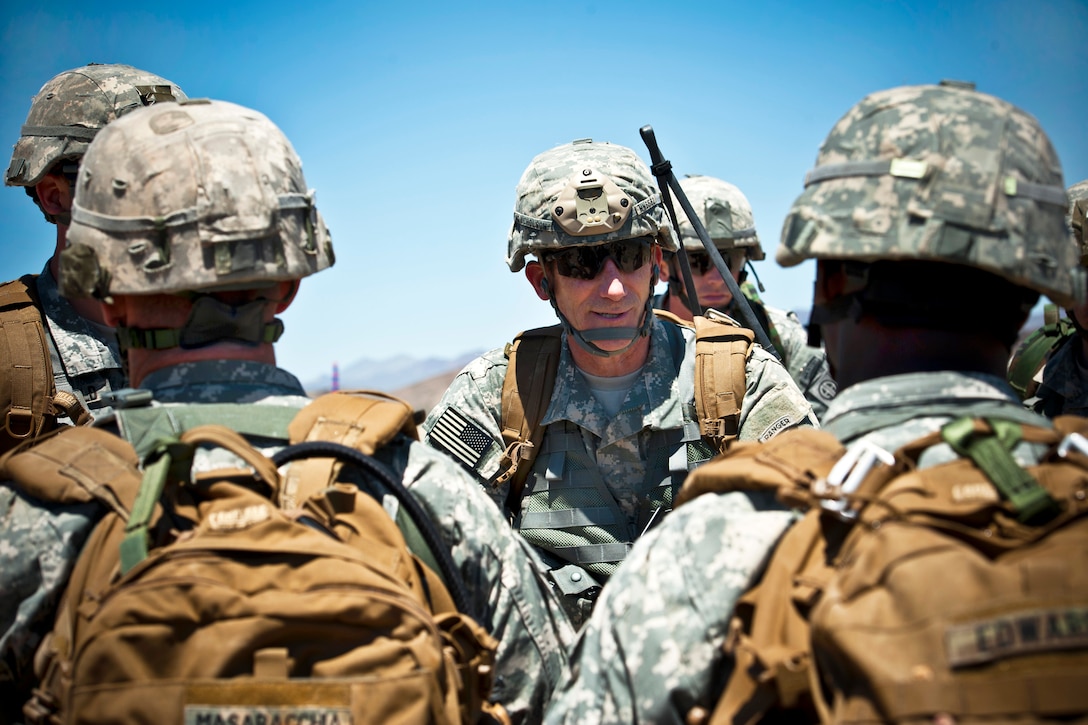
[266,715]
[460,437]
[239,518]
[775,428]
[1036,630]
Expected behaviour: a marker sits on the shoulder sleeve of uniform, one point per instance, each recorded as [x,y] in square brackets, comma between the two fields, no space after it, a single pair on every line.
[501,577]
[464,424]
[773,401]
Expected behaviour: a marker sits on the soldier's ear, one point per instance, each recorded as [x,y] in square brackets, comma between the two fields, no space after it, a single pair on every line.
[54,194]
[114,312]
[534,272]
[285,294]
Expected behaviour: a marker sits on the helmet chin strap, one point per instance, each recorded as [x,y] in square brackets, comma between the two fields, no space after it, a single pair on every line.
[586,338]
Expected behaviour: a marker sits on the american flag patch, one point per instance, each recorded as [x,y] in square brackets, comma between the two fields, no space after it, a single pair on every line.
[459,437]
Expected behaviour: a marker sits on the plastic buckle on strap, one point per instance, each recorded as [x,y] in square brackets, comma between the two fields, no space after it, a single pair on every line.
[847,474]
[1073,441]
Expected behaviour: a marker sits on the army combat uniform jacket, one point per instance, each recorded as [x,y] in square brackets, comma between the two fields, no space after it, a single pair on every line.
[1063,383]
[807,365]
[497,566]
[653,647]
[599,481]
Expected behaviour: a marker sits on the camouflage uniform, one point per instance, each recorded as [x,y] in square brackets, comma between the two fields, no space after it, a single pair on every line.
[653,648]
[599,479]
[499,568]
[726,215]
[1061,384]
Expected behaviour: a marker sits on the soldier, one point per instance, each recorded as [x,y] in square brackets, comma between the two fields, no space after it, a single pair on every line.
[727,216]
[940,183]
[1059,386]
[618,433]
[79,363]
[192,226]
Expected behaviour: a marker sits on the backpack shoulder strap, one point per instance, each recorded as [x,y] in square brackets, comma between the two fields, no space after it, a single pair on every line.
[533,359]
[29,400]
[722,348]
[1030,356]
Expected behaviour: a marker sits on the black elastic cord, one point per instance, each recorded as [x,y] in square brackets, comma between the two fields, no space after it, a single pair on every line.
[391,484]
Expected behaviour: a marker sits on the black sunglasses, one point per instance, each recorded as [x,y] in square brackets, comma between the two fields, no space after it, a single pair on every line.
[700,262]
[587,262]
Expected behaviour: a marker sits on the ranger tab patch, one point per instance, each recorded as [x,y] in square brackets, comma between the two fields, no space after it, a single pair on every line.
[459,437]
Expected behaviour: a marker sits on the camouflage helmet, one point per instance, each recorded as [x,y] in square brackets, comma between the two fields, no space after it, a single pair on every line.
[725,214]
[1078,217]
[198,195]
[941,173]
[583,194]
[72,107]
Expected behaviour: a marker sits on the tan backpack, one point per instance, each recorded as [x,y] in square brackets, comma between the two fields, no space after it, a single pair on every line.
[197,599]
[29,400]
[937,596]
[722,349]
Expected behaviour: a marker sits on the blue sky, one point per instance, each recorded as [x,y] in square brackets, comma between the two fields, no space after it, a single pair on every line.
[415,120]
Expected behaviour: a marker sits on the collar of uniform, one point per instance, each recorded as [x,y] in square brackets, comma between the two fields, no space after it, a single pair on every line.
[896,399]
[653,401]
[221,381]
[83,347]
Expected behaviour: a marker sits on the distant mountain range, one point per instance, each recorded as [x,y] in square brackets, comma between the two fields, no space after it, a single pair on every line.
[399,376]
[422,382]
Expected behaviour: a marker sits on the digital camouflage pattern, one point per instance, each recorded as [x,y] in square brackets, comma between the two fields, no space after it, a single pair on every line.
[196,195]
[85,361]
[499,570]
[1060,385]
[807,365]
[653,647]
[539,208]
[72,107]
[1078,217]
[895,179]
[660,405]
[725,213]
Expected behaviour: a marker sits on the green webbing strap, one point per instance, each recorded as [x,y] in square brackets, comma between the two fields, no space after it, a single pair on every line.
[1038,346]
[144,427]
[991,453]
[135,544]
[418,545]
